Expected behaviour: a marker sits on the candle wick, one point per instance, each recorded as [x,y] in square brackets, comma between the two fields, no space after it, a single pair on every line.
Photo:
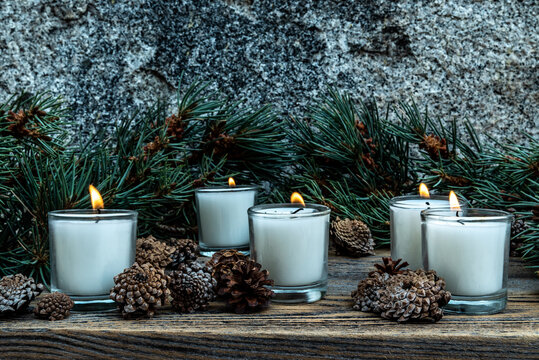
[457,213]
[298,210]
[428,203]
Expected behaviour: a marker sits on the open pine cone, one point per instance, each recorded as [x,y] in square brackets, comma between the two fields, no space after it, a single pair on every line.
[191,287]
[185,250]
[16,292]
[352,237]
[169,253]
[140,290]
[402,295]
[222,259]
[54,306]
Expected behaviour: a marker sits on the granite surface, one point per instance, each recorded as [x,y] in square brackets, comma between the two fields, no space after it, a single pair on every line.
[473,59]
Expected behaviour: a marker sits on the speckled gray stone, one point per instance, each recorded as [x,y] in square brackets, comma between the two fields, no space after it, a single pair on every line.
[464,59]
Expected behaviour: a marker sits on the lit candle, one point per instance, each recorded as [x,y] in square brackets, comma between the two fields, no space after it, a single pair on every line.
[222,217]
[405,224]
[470,252]
[291,242]
[88,248]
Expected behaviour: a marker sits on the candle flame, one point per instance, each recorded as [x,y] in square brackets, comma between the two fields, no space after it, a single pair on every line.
[453,201]
[424,191]
[95,197]
[296,198]
[231,182]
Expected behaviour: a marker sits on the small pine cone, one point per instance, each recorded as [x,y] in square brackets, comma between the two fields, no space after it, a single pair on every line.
[16,292]
[150,250]
[435,146]
[352,237]
[185,250]
[55,306]
[192,287]
[223,259]
[518,226]
[140,290]
[244,286]
[414,296]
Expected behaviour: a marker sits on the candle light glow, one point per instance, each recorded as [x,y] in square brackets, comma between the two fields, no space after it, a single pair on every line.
[296,198]
[96,199]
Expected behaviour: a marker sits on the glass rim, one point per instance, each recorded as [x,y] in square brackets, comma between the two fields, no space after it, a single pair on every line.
[258,210]
[226,188]
[470,215]
[92,215]
[393,202]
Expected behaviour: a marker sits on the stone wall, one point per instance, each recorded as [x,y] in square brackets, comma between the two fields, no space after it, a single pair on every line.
[464,59]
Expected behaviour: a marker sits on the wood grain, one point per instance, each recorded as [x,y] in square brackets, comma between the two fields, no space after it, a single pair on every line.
[326,329]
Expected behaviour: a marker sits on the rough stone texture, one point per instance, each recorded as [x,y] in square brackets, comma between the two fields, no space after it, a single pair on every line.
[474,59]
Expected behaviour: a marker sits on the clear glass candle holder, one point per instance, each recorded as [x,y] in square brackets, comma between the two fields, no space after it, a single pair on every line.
[222,217]
[405,225]
[87,249]
[470,251]
[291,242]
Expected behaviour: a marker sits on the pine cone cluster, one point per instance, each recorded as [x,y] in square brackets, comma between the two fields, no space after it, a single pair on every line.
[352,237]
[140,290]
[54,306]
[16,292]
[191,287]
[402,295]
[241,281]
[163,254]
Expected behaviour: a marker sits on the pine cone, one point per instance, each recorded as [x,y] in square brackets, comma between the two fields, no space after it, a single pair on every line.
[243,285]
[222,259]
[150,250]
[402,295]
[352,237]
[435,146]
[140,290]
[192,287]
[390,266]
[54,306]
[169,253]
[185,250]
[414,296]
[16,292]
[518,225]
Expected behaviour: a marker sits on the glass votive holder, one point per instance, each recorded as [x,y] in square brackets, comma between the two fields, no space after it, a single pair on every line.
[470,250]
[291,242]
[405,225]
[222,217]
[87,249]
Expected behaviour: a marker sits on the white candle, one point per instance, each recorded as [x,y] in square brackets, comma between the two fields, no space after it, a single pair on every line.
[292,247]
[405,225]
[468,251]
[222,216]
[88,250]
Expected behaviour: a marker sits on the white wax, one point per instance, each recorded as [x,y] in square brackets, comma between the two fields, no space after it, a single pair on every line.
[469,256]
[223,220]
[88,254]
[405,220]
[293,250]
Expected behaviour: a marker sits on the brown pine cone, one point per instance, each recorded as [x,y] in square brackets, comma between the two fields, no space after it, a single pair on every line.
[55,306]
[140,290]
[16,292]
[191,287]
[352,237]
[402,295]
[222,259]
[244,286]
[414,296]
[150,250]
[435,146]
[185,250]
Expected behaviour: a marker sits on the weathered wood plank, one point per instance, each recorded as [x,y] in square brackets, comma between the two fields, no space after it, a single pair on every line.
[326,329]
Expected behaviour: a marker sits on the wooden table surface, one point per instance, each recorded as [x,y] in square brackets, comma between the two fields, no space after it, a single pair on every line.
[325,329]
